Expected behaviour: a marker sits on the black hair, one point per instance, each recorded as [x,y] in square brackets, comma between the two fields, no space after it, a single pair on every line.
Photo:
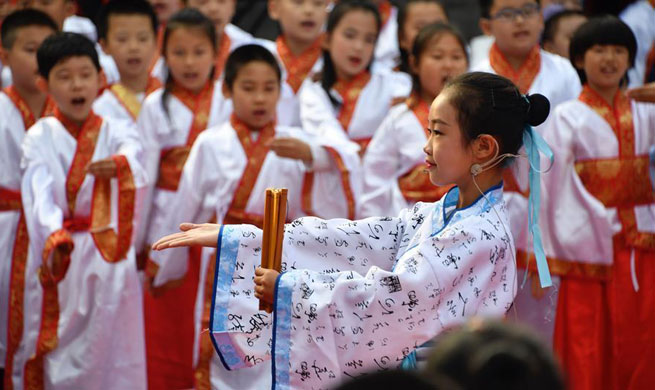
[244,55]
[490,104]
[23,18]
[425,36]
[495,356]
[61,46]
[124,7]
[402,18]
[552,24]
[602,30]
[391,379]
[189,18]
[485,7]
[341,9]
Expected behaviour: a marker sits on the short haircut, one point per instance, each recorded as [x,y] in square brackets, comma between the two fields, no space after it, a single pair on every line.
[601,30]
[244,55]
[552,24]
[402,18]
[20,19]
[124,7]
[61,46]
[485,8]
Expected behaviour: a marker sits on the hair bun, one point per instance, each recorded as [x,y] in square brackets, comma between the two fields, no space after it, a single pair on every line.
[538,109]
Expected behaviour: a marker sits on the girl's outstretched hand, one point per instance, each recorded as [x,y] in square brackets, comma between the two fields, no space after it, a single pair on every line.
[191,234]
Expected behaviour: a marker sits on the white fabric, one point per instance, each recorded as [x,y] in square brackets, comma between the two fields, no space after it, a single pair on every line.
[350,288]
[12,131]
[387,52]
[317,111]
[81,25]
[640,16]
[5,76]
[100,330]
[480,47]
[396,147]
[107,105]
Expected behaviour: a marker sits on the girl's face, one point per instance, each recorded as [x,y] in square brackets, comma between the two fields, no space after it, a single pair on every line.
[447,159]
[166,8]
[190,57]
[418,16]
[219,11]
[605,65]
[301,20]
[443,59]
[255,93]
[352,43]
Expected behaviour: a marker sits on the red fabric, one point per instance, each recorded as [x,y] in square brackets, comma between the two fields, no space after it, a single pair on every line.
[604,330]
[169,331]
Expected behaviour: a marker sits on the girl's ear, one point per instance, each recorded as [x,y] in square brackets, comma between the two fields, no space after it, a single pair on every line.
[273,9]
[103,45]
[42,84]
[226,90]
[485,26]
[579,62]
[4,55]
[485,147]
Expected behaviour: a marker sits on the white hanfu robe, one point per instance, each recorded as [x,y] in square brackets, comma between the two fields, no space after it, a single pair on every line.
[394,163]
[559,82]
[221,177]
[639,16]
[120,104]
[364,103]
[350,288]
[88,309]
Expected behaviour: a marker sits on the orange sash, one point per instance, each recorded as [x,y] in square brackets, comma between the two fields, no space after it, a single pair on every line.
[256,153]
[172,159]
[298,67]
[525,75]
[128,99]
[28,117]
[221,55]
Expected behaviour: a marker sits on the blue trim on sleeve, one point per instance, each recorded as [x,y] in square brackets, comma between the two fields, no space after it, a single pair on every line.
[282,330]
[211,318]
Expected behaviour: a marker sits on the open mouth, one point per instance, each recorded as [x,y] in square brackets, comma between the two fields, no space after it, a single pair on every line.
[190,75]
[355,61]
[446,78]
[134,61]
[521,34]
[78,101]
[608,70]
[429,164]
[259,113]
[308,24]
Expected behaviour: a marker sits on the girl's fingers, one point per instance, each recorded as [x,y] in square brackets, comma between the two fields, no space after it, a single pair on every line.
[188,226]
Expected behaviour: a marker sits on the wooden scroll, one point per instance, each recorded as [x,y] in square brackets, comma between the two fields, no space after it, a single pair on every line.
[275,214]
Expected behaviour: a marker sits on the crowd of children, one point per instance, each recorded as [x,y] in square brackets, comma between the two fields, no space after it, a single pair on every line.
[411,207]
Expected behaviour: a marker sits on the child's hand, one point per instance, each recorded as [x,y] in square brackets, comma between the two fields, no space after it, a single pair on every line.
[645,93]
[292,148]
[103,169]
[205,234]
[265,284]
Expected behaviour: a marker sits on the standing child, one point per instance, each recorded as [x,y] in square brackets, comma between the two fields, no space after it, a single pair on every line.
[169,123]
[349,97]
[128,31]
[412,17]
[21,104]
[394,170]
[358,296]
[559,29]
[600,215]
[81,179]
[226,175]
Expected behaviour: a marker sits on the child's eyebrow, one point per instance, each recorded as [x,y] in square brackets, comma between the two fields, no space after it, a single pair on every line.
[439,122]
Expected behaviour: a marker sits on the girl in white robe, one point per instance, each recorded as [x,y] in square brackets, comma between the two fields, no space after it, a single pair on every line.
[348,97]
[394,170]
[358,296]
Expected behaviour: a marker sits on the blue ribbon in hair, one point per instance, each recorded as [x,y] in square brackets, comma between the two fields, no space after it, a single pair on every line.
[534,145]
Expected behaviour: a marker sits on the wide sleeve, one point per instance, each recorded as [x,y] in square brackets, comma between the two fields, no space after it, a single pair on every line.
[317,115]
[332,326]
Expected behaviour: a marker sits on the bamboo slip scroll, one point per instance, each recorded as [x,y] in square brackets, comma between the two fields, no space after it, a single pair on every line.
[275,214]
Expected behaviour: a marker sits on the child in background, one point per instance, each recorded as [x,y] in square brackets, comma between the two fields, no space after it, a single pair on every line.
[558,31]
[600,217]
[228,36]
[165,9]
[412,17]
[516,26]
[386,48]
[394,167]
[21,104]
[228,170]
[81,181]
[348,96]
[63,13]
[170,120]
[639,16]
[6,7]
[128,31]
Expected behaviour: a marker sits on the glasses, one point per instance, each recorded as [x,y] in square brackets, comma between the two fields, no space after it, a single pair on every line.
[510,14]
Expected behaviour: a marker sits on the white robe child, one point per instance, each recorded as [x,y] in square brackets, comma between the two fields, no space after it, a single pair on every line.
[90,308]
[350,288]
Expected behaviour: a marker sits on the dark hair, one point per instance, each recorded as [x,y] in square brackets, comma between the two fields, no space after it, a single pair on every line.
[189,18]
[495,356]
[552,24]
[343,7]
[602,30]
[244,55]
[490,104]
[124,7]
[61,46]
[402,18]
[23,18]
[485,7]
[425,36]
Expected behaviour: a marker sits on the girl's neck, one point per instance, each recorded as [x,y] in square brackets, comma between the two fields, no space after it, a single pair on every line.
[136,84]
[297,46]
[607,93]
[469,192]
[34,98]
